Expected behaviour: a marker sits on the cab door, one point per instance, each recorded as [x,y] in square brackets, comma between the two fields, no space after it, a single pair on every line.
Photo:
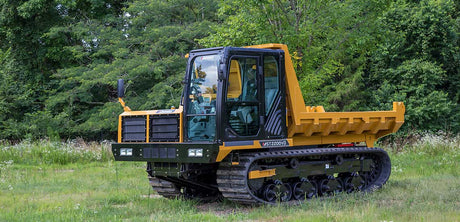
[254,99]
[274,98]
[242,101]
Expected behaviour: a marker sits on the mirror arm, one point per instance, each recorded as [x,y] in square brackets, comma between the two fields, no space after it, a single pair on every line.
[125,108]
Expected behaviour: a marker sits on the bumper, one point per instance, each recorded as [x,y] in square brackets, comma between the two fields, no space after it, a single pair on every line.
[164,152]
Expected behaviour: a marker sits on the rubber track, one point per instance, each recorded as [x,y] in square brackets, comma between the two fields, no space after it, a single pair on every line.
[232,180]
[164,188]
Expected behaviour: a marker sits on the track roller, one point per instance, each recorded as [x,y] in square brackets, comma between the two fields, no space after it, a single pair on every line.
[304,189]
[302,174]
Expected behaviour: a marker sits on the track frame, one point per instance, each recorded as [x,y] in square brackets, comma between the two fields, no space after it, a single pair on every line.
[234,184]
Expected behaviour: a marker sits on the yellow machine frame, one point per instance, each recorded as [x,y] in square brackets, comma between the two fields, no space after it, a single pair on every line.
[307,125]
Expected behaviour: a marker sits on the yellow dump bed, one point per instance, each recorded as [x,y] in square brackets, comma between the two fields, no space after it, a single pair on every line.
[320,127]
[313,126]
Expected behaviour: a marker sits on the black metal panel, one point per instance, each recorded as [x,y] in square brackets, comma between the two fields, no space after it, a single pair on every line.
[164,128]
[162,152]
[239,143]
[274,125]
[164,165]
[151,153]
[133,128]
[171,152]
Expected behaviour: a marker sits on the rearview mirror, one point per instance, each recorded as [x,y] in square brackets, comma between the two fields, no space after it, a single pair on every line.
[121,88]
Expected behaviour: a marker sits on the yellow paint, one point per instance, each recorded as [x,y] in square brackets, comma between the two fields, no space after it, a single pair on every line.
[329,125]
[151,112]
[315,109]
[119,129]
[370,140]
[224,150]
[147,113]
[255,174]
[306,125]
[307,121]
[294,99]
[234,80]
[312,125]
[181,125]
[125,108]
[147,131]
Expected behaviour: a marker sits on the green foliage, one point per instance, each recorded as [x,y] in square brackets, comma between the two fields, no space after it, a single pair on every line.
[418,63]
[356,55]
[87,47]
[329,41]
[415,82]
[60,59]
[145,45]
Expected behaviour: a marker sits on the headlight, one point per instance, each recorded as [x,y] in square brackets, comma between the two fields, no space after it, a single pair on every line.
[191,152]
[199,153]
[126,152]
[195,152]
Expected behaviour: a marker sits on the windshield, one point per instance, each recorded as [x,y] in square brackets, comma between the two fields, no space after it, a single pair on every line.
[201,98]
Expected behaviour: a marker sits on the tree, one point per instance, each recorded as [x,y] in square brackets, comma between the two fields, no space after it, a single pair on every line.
[330,41]
[25,68]
[418,63]
[60,59]
[145,44]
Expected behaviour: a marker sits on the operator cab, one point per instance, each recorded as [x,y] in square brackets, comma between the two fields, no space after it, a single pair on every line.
[235,94]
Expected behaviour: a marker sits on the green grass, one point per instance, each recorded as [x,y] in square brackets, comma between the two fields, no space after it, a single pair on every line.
[46,181]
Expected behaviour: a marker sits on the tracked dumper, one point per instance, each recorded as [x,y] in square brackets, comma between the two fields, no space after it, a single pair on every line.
[242,131]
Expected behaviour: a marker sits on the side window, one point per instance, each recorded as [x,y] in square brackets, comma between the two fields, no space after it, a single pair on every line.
[242,97]
[271,81]
[201,99]
[234,81]
[242,82]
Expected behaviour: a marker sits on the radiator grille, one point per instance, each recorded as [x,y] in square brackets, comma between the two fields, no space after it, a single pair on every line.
[134,128]
[164,128]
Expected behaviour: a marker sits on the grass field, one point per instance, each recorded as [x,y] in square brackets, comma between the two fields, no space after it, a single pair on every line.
[76,181]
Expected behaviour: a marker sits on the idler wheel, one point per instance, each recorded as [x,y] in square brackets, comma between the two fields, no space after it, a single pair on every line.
[270,193]
[304,190]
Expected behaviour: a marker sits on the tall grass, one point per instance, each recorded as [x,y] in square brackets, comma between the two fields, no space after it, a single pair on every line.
[430,143]
[78,151]
[53,152]
[78,181]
